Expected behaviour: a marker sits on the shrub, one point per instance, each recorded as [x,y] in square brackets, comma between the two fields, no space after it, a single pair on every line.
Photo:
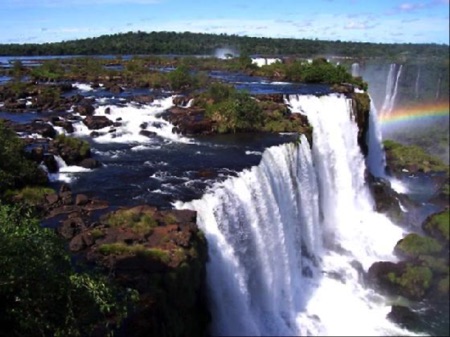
[76,144]
[40,293]
[16,171]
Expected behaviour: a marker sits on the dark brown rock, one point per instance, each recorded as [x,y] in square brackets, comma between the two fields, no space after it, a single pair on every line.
[97,122]
[90,163]
[81,199]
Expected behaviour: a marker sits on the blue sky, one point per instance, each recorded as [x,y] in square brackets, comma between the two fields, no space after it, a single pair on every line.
[385,21]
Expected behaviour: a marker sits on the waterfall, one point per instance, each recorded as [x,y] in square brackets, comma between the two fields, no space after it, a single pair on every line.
[288,239]
[355,69]
[438,89]
[391,88]
[376,159]
[416,86]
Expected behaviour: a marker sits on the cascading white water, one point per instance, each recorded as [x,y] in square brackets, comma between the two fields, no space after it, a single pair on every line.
[355,69]
[289,238]
[376,158]
[417,84]
[438,88]
[391,88]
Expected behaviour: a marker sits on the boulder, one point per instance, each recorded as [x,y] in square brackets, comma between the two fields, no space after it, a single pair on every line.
[90,163]
[97,122]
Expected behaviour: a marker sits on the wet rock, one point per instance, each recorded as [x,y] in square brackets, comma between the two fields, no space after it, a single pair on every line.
[97,122]
[149,134]
[90,163]
[81,199]
[404,317]
[51,163]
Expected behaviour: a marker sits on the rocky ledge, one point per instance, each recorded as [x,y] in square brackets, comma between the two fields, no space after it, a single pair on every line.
[159,253]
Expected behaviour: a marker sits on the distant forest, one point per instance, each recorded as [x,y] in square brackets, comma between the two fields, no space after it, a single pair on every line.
[163,43]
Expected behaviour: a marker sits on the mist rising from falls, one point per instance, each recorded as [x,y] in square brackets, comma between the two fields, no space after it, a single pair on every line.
[391,88]
[289,238]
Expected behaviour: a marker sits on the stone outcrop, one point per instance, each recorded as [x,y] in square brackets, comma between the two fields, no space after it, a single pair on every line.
[160,253]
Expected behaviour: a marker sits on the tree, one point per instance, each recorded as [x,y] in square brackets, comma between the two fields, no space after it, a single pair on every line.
[15,169]
[40,294]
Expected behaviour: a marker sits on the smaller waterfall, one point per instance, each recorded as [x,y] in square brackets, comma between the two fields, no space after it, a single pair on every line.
[416,86]
[376,159]
[355,69]
[438,89]
[391,88]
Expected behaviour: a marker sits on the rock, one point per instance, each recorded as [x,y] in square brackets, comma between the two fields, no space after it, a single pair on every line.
[95,205]
[190,121]
[51,163]
[85,109]
[277,98]
[149,134]
[70,227]
[108,111]
[81,199]
[438,226]
[37,154]
[51,199]
[387,201]
[90,163]
[97,122]
[404,317]
[406,279]
[143,99]
[414,245]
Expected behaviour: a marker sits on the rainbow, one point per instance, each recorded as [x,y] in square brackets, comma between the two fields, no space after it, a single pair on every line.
[415,114]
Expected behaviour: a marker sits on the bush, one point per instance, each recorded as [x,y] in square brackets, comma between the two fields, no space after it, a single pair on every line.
[82,147]
[234,111]
[40,294]
[16,171]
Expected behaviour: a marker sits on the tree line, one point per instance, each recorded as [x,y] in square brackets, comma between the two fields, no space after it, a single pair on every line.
[187,43]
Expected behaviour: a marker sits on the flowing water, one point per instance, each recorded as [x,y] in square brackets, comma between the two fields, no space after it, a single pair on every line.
[290,227]
[289,238]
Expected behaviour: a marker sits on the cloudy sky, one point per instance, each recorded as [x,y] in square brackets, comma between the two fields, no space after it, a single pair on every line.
[386,21]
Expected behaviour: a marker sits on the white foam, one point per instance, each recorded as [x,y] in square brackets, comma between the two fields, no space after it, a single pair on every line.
[131,119]
[83,86]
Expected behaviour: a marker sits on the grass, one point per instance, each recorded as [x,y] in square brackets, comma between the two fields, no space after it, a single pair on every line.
[141,223]
[400,156]
[34,195]
[120,248]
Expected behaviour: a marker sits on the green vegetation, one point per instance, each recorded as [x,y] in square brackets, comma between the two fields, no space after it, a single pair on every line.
[33,195]
[120,248]
[412,158]
[16,171]
[414,245]
[80,146]
[438,226]
[232,110]
[40,293]
[50,70]
[139,222]
[160,43]
[414,281]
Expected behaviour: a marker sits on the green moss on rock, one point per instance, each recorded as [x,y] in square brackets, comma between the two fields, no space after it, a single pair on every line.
[414,245]
[413,282]
[138,219]
[412,158]
[438,226]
